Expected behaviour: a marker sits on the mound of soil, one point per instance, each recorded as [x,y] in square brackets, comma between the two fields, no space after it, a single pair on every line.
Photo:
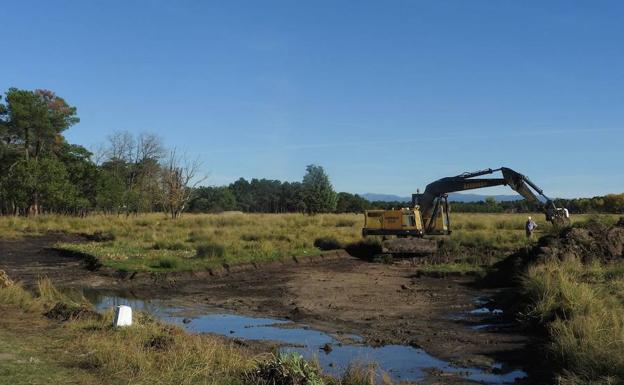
[593,241]
[64,312]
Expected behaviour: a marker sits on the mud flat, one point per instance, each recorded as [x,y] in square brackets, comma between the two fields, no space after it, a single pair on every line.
[335,352]
[389,308]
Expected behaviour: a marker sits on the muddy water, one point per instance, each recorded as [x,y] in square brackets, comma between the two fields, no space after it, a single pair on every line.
[333,352]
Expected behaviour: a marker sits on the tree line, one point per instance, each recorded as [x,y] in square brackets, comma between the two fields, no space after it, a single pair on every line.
[314,194]
[40,172]
[606,204]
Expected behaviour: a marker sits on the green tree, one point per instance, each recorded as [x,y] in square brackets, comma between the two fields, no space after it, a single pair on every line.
[48,178]
[351,203]
[32,123]
[318,194]
[35,119]
[212,199]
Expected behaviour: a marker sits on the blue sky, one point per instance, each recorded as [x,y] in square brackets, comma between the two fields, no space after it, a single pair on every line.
[386,95]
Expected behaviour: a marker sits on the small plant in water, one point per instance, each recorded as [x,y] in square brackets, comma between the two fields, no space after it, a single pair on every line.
[284,369]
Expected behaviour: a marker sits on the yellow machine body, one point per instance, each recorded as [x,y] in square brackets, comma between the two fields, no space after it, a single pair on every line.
[405,221]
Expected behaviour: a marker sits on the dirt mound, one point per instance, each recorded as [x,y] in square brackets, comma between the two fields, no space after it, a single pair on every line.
[595,241]
[64,312]
[591,241]
[5,281]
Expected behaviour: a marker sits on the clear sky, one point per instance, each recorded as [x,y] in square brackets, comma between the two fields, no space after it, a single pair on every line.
[386,95]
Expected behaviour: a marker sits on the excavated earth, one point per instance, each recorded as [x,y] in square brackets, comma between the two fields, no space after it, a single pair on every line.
[386,304]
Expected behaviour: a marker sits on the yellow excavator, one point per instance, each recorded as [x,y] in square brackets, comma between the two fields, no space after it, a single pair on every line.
[404,229]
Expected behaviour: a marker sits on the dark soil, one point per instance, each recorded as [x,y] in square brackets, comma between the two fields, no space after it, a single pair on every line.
[30,258]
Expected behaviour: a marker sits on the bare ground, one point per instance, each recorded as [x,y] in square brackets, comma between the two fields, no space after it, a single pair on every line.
[386,304]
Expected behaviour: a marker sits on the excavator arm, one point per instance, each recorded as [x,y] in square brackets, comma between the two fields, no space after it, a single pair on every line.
[430,200]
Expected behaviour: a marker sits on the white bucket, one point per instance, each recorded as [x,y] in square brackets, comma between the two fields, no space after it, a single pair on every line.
[123,316]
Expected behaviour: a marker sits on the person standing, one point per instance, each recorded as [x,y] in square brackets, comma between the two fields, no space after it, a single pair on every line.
[530,227]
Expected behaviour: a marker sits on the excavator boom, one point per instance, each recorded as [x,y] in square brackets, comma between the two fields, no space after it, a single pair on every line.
[428,201]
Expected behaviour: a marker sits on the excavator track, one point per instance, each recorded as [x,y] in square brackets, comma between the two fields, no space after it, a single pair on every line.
[409,245]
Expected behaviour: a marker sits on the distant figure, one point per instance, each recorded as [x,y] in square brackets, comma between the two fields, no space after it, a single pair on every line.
[530,226]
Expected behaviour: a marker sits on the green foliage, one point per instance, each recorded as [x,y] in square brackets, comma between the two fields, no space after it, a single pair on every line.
[284,369]
[44,182]
[212,199]
[318,194]
[351,203]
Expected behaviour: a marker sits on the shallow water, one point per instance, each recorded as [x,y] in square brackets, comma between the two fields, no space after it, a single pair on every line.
[400,362]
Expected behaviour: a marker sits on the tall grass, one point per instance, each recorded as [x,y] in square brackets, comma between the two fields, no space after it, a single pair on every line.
[138,243]
[585,321]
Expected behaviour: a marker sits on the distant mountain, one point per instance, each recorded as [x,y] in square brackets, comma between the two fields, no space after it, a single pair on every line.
[453,197]
[372,197]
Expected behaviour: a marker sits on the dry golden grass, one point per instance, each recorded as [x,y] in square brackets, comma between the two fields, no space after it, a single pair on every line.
[154,242]
[582,308]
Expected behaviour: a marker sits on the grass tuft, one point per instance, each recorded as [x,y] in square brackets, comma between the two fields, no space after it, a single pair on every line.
[210,250]
[284,369]
[166,263]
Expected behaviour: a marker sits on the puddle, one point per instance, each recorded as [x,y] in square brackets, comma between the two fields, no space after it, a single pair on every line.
[402,363]
[480,301]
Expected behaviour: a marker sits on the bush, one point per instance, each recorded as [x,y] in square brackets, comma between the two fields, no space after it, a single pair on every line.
[210,250]
[327,243]
[284,369]
[166,263]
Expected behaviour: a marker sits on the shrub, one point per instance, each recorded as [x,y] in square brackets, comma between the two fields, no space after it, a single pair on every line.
[284,369]
[327,243]
[210,250]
